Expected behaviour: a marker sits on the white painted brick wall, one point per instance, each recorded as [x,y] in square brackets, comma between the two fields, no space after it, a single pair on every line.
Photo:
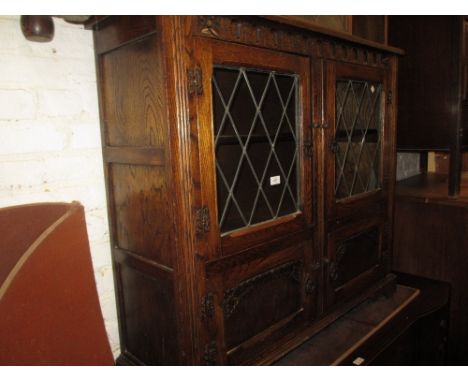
[50,144]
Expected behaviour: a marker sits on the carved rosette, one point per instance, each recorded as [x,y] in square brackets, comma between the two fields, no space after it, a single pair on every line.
[202,220]
[207,307]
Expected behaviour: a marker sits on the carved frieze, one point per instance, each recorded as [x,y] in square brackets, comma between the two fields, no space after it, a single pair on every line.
[262,33]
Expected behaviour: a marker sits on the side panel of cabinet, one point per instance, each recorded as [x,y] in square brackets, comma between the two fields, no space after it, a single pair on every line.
[135,151]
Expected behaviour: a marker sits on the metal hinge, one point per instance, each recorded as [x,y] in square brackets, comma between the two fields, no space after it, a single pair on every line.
[195,83]
[308,148]
[207,306]
[334,147]
[310,285]
[202,224]
[389,97]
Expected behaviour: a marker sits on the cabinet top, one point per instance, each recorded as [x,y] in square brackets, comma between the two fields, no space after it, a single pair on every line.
[291,22]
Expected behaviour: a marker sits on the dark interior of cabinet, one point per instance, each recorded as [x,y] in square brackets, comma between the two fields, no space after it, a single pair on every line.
[357,137]
[256,143]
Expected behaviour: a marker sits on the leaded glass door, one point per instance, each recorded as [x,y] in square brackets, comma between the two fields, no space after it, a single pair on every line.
[260,183]
[358,134]
[256,145]
[354,144]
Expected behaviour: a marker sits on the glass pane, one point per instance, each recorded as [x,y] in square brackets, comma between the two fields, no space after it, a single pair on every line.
[357,138]
[255,145]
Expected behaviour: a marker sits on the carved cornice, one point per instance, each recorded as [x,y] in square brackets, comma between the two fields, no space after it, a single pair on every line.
[265,34]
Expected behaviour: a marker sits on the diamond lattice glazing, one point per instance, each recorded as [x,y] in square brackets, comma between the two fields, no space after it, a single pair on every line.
[256,145]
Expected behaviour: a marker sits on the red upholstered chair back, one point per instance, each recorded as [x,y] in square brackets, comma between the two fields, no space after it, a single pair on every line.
[49,307]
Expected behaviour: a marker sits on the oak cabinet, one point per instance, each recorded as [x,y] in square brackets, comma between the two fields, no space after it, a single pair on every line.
[249,168]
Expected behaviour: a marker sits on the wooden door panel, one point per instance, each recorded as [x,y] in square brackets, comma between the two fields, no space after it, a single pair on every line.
[259,302]
[355,260]
[265,291]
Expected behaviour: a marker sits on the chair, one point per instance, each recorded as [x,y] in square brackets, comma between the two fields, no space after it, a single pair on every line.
[49,307]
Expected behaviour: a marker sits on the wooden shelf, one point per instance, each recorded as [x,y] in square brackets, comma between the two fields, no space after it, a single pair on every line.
[365,335]
[432,187]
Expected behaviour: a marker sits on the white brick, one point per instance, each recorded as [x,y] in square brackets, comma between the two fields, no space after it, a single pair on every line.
[52,169]
[70,41]
[32,136]
[104,280]
[16,104]
[89,97]
[10,30]
[45,72]
[59,103]
[85,136]
[96,221]
[101,254]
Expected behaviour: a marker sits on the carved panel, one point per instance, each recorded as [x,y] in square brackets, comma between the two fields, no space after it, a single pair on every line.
[233,296]
[258,303]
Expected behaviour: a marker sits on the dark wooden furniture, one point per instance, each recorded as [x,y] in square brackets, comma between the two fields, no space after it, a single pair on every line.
[432,87]
[407,327]
[250,166]
[431,241]
[49,306]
